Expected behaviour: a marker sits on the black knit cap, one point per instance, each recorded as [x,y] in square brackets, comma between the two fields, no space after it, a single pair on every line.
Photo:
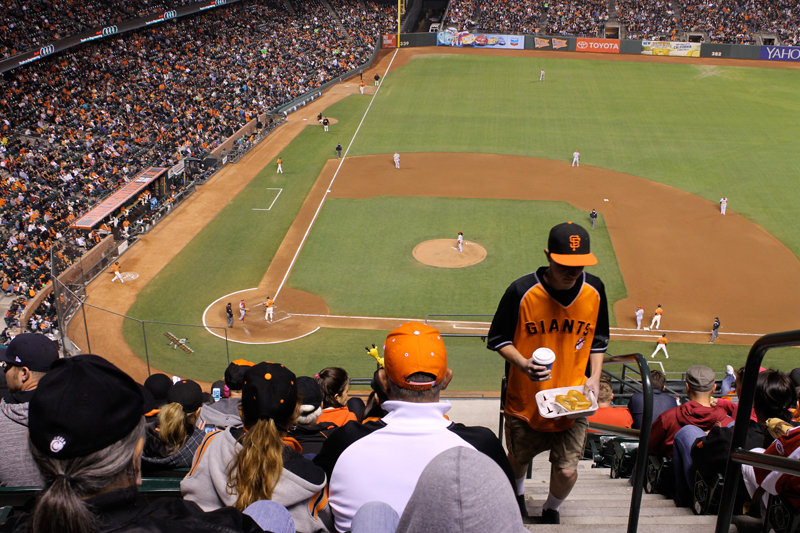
[309,391]
[84,404]
[269,392]
[159,385]
[234,376]
[188,394]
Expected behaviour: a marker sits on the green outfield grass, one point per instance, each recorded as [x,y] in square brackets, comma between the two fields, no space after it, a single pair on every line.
[712,131]
[366,248]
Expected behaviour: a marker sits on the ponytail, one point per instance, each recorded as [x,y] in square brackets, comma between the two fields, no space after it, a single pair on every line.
[257,468]
[60,507]
[172,427]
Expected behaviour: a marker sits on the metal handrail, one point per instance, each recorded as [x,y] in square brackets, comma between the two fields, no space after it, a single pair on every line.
[643,434]
[738,455]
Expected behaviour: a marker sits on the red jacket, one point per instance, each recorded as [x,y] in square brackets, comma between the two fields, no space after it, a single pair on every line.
[777,482]
[689,414]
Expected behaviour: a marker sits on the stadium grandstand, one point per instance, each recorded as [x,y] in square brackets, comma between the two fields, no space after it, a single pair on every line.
[102,139]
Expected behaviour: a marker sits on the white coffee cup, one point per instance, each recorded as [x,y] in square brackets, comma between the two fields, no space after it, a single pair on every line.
[544,357]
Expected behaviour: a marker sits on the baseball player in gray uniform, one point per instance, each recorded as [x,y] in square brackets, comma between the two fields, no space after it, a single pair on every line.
[714,330]
[576,158]
[460,241]
[639,316]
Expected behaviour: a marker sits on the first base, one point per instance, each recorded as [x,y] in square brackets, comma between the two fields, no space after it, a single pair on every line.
[646,328]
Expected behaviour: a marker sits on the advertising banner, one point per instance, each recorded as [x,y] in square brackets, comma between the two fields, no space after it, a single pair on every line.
[550,43]
[601,46]
[389,41]
[780,53]
[451,37]
[667,48]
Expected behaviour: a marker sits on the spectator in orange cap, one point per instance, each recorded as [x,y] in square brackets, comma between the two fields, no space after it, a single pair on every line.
[384,459]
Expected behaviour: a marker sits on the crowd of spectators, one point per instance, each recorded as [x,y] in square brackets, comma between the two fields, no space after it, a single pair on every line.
[78,125]
[732,21]
[86,433]
[696,433]
[510,16]
[648,19]
[364,23]
[461,13]
[580,17]
[29,24]
[584,17]
[780,17]
[725,21]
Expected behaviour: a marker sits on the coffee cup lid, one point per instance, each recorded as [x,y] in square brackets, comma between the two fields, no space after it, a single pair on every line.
[544,356]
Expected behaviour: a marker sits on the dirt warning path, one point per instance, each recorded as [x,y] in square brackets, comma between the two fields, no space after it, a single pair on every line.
[673,248]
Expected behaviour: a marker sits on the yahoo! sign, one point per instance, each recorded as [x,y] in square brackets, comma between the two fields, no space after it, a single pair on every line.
[780,53]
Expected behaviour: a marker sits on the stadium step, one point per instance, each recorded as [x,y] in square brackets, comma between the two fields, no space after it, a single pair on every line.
[599,504]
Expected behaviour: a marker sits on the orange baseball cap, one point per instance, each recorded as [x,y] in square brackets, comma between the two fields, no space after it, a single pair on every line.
[412,348]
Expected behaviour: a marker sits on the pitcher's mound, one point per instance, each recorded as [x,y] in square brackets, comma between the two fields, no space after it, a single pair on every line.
[444,253]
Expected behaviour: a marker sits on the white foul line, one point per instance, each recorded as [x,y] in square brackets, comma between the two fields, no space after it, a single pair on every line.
[273,201]
[319,208]
[681,331]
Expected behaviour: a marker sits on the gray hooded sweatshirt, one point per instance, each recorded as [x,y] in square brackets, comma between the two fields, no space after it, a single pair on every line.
[301,488]
[222,414]
[17,467]
[462,491]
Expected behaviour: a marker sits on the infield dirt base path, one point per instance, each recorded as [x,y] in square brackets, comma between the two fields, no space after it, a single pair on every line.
[673,248]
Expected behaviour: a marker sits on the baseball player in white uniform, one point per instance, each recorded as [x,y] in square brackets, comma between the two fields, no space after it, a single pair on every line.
[541,75]
[639,316]
[460,241]
[576,158]
[280,166]
[723,204]
[396,158]
[242,311]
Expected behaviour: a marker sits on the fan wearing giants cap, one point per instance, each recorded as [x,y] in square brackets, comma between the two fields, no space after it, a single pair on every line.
[26,360]
[383,460]
[562,308]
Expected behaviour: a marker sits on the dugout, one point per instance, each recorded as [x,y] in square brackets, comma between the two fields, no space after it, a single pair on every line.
[152,180]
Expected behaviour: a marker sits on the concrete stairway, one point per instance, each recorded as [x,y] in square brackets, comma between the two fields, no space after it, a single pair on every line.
[599,504]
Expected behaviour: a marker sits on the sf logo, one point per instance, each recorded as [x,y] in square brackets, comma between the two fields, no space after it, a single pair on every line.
[574,242]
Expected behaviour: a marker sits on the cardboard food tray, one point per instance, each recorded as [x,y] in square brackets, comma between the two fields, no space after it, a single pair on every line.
[549,408]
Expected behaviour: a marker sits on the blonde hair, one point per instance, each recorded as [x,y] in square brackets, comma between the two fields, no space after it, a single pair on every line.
[174,426]
[255,472]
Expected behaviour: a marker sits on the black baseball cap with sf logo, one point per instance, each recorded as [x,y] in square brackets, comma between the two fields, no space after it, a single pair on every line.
[568,245]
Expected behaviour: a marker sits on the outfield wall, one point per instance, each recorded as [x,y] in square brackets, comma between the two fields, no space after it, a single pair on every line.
[562,43]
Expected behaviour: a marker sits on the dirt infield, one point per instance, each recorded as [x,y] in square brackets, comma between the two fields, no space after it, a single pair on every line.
[443,253]
[673,248]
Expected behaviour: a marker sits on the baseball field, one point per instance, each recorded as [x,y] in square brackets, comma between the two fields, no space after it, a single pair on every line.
[486,150]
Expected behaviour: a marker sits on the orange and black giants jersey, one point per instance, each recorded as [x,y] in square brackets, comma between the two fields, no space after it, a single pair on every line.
[572,323]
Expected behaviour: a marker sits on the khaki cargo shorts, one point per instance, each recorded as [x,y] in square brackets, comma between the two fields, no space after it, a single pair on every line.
[566,447]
